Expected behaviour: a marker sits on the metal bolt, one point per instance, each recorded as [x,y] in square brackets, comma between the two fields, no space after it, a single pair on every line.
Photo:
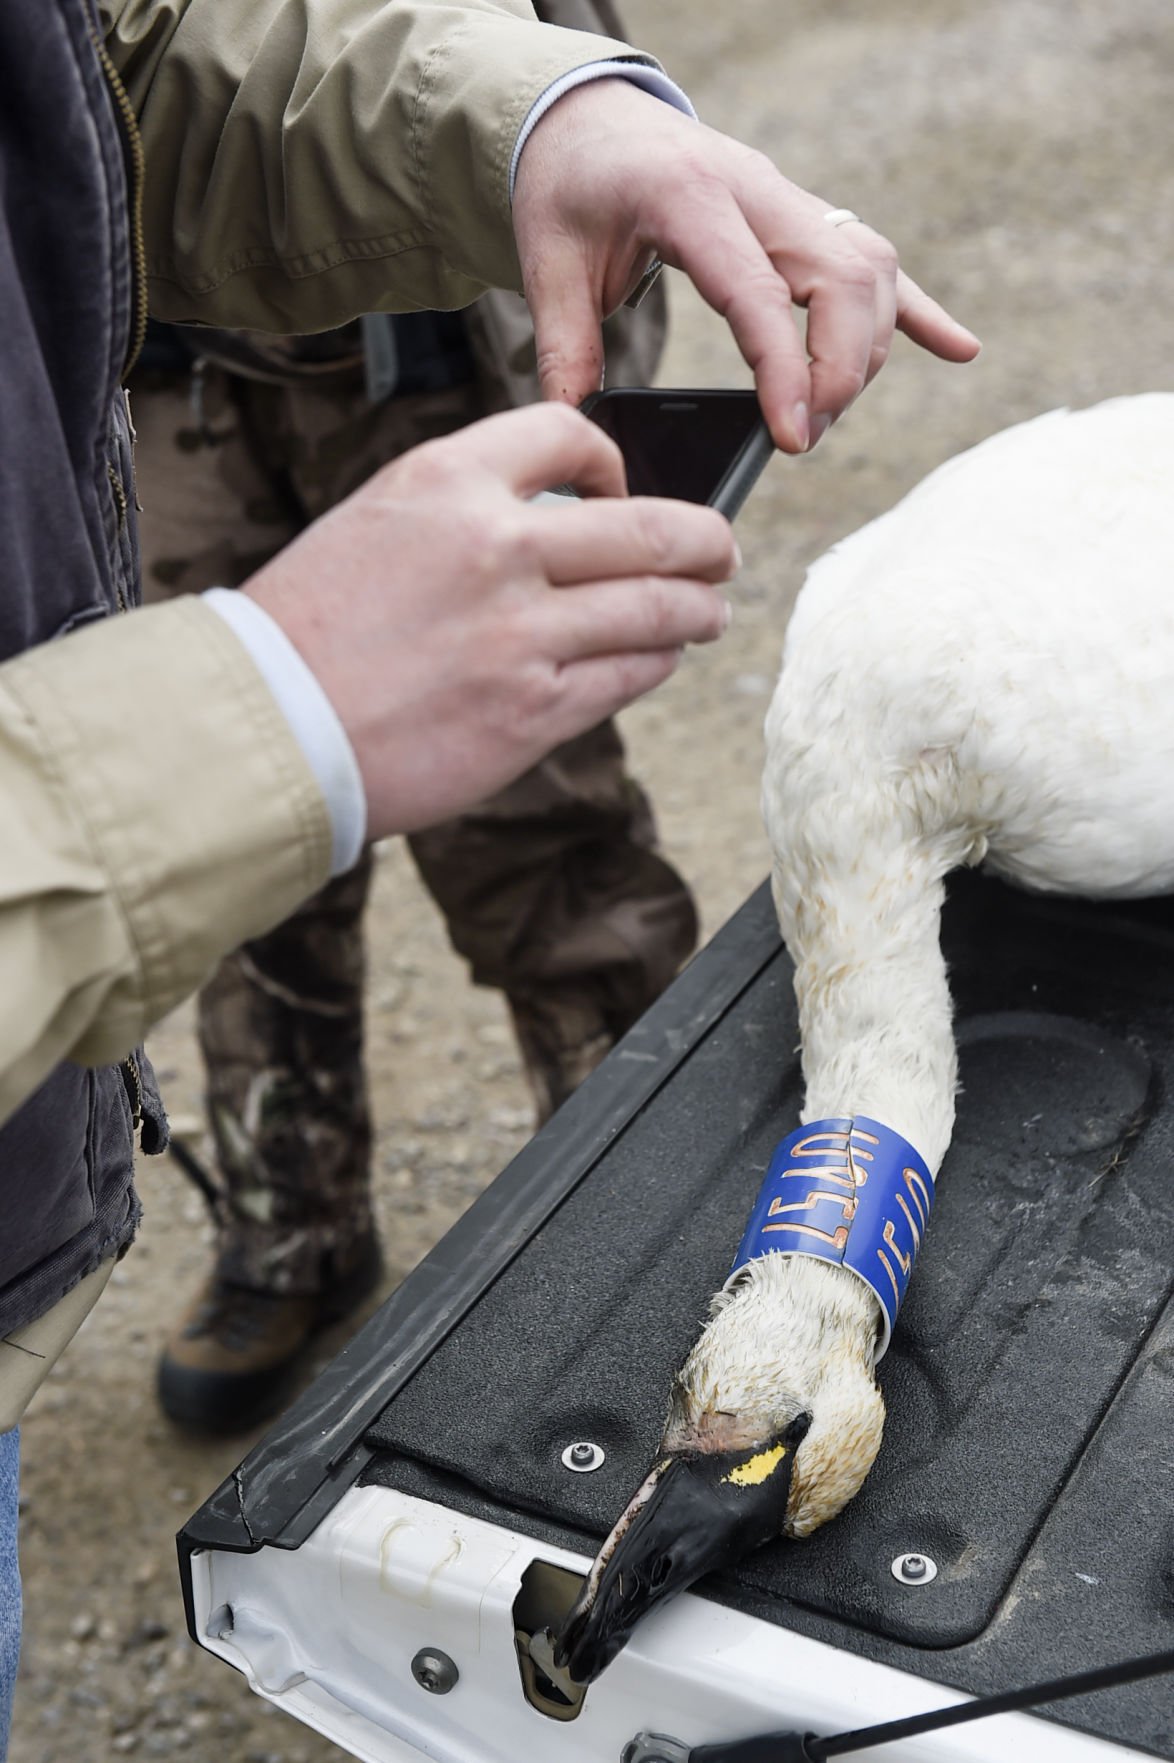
[914,1569]
[654,1747]
[583,1457]
[434,1671]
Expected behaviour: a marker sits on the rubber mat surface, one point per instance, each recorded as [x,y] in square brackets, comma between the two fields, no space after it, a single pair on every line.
[1030,1384]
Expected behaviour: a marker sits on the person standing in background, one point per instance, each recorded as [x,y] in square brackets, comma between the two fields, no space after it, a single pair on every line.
[553,890]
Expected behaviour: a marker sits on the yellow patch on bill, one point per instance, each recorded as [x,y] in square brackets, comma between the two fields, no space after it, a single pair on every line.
[755,1470]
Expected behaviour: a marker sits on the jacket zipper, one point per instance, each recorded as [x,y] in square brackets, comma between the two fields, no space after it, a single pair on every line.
[132,147]
[120,503]
[133,153]
[134,1089]
[119,490]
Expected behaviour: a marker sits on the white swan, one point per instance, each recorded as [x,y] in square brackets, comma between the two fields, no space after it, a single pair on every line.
[983,675]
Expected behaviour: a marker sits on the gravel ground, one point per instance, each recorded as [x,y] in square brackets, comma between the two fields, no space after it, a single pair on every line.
[1017,152]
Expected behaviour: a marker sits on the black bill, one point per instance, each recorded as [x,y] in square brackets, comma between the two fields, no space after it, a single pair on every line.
[696,1512]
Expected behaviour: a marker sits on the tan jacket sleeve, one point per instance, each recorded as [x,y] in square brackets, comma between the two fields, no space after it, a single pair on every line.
[158,812]
[309,160]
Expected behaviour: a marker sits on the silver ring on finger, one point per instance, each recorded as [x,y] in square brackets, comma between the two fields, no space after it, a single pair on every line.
[841,217]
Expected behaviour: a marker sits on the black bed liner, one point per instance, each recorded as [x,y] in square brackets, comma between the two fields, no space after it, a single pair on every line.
[1030,1384]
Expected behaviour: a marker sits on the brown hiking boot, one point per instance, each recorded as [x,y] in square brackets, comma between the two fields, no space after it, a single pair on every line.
[237,1353]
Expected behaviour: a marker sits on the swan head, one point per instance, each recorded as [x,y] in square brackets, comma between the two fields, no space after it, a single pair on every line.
[774,1422]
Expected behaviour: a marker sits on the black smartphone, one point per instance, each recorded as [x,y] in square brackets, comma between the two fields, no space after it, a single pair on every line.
[698,446]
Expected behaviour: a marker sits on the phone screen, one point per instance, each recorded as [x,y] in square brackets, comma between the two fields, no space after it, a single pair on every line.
[674,444]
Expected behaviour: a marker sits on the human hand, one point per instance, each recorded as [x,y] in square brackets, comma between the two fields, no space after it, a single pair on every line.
[612,178]
[461,633]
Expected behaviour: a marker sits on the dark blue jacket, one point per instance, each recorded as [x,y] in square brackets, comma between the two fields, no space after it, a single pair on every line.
[70,311]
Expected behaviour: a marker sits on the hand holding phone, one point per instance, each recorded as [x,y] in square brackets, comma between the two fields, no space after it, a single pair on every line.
[704,446]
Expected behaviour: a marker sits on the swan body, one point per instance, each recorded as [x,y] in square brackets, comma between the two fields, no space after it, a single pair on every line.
[985,674]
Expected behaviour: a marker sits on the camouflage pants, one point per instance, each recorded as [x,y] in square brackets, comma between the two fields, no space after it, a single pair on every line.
[552,891]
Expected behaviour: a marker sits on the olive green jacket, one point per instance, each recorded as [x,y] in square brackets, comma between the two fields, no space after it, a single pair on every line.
[311,160]
[306,161]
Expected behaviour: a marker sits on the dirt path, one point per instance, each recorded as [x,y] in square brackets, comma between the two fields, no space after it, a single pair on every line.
[1019,152]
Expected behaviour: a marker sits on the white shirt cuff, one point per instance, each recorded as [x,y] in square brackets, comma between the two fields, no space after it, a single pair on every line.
[312,719]
[649,79]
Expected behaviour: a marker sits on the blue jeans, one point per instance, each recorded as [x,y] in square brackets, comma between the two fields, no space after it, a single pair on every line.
[9,1581]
